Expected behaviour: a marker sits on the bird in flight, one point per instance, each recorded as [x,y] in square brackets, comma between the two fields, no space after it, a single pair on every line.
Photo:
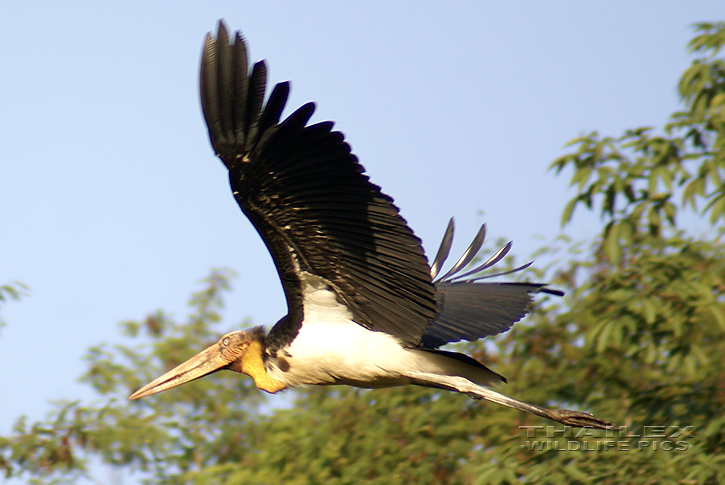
[364,307]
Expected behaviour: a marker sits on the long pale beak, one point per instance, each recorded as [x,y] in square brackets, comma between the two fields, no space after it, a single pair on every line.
[203,363]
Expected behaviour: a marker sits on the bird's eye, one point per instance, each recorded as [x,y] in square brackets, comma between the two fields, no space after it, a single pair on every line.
[226,341]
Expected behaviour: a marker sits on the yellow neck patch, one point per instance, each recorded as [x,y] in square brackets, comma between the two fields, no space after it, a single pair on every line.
[253,366]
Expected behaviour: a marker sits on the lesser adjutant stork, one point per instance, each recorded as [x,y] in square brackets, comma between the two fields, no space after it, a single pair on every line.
[364,307]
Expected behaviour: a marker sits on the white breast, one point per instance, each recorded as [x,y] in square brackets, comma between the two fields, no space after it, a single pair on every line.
[332,349]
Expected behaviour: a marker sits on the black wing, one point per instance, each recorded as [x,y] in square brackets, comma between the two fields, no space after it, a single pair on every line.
[469,309]
[307,196]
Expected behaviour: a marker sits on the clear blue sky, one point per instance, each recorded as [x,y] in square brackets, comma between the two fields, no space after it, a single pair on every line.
[112,204]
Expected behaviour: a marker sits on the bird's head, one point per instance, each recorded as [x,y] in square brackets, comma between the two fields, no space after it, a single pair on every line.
[239,351]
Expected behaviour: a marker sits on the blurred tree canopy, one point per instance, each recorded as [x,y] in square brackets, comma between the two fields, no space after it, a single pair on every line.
[639,340]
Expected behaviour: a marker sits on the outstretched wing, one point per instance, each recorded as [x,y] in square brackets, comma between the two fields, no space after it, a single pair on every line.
[308,197]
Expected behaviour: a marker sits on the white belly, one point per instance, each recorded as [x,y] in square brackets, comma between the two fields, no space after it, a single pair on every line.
[332,349]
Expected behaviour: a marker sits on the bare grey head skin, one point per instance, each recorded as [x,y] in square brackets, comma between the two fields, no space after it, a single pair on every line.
[240,351]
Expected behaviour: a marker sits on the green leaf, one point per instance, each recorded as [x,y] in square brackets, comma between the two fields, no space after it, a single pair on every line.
[716,208]
[568,211]
[581,177]
[611,243]
[626,230]
[649,310]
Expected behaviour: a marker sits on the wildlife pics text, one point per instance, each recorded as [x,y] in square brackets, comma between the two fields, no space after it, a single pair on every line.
[650,438]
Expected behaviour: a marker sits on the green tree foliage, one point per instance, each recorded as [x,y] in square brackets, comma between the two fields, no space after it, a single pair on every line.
[639,340]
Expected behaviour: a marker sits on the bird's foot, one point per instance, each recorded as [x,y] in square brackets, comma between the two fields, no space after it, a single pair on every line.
[581,420]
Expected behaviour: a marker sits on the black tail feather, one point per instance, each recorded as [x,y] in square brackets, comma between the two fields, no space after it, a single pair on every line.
[469,309]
